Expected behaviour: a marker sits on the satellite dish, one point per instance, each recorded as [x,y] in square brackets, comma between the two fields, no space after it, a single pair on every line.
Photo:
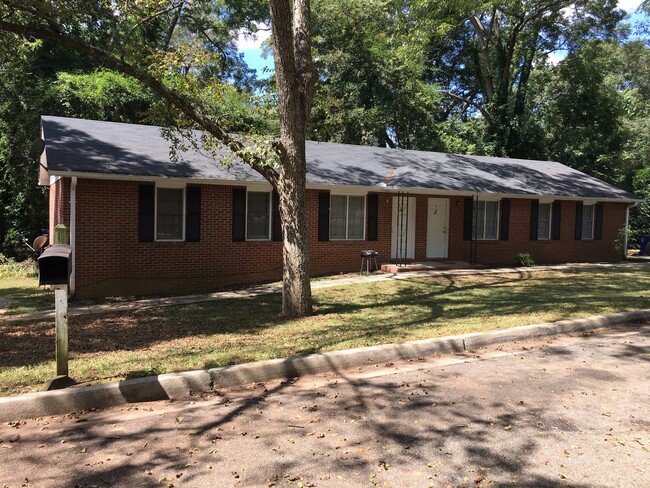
[39,243]
[38,146]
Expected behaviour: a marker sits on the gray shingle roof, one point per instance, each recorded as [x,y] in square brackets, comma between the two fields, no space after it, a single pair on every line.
[80,146]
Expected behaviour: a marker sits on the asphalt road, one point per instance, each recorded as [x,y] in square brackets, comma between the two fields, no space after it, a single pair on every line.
[569,411]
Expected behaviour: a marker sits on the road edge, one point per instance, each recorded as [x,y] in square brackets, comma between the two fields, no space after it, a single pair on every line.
[191,383]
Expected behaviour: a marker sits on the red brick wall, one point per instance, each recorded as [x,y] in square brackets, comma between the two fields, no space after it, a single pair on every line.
[566,249]
[59,204]
[111,261]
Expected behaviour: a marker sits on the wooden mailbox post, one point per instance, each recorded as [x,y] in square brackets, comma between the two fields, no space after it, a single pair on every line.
[54,269]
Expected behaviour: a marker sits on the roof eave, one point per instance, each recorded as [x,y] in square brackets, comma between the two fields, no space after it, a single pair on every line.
[322,186]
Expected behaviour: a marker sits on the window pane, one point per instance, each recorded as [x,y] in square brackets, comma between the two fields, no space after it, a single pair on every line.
[169,216]
[338,214]
[588,222]
[257,218]
[355,217]
[491,219]
[544,221]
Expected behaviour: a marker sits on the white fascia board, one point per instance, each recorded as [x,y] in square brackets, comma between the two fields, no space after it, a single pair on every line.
[342,189]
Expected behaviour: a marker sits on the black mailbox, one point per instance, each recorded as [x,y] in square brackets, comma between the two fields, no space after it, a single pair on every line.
[55,265]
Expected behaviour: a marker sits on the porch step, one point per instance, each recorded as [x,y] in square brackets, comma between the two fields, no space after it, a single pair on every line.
[430,266]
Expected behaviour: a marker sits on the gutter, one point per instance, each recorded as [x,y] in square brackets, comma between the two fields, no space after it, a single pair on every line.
[627,227]
[73,234]
[321,186]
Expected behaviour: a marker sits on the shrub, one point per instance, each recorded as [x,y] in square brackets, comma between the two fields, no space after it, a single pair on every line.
[524,259]
[9,268]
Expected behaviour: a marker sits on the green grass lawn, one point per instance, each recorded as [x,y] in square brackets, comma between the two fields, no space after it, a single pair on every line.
[205,335]
[19,290]
[23,295]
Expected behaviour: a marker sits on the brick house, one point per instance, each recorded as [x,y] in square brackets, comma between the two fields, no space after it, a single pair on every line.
[140,224]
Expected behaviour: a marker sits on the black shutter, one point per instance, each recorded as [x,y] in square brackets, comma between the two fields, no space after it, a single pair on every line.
[373,214]
[146,209]
[193,214]
[239,214]
[578,221]
[598,221]
[277,223]
[534,219]
[557,219]
[324,216]
[505,219]
[468,213]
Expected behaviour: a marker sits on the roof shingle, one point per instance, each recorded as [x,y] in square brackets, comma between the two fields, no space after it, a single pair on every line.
[77,146]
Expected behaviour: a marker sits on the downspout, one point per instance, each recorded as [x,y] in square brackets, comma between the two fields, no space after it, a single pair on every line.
[627,227]
[73,233]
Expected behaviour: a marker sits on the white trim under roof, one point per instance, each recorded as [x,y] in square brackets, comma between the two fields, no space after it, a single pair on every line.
[338,188]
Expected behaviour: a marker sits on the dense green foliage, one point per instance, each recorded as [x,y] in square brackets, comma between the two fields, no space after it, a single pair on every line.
[539,79]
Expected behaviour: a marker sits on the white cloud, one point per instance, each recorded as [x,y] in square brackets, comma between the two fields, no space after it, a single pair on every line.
[629,5]
[247,41]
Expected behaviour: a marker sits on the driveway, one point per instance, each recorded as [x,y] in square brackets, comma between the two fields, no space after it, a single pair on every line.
[569,411]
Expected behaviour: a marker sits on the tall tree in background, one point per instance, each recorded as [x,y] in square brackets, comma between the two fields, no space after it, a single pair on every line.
[27,75]
[372,86]
[133,38]
[44,78]
[484,65]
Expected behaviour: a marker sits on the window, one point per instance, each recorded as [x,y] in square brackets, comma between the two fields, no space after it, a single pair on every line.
[588,221]
[258,216]
[347,217]
[485,223]
[170,213]
[544,221]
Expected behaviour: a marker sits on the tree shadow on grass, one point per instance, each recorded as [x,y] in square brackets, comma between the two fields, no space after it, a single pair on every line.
[356,318]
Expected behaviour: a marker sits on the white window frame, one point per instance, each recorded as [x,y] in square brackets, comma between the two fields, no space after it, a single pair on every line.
[592,206]
[484,223]
[550,221]
[347,217]
[270,212]
[183,215]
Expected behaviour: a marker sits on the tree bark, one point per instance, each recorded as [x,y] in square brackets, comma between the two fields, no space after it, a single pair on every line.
[295,81]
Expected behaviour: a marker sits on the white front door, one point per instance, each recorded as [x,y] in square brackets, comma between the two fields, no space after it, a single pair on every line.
[437,222]
[403,242]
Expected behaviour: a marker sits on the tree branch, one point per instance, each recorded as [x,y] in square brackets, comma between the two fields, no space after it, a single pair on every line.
[178,100]
[485,55]
[486,114]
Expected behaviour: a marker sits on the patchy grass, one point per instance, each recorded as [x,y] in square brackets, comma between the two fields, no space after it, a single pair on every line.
[19,290]
[234,331]
[23,295]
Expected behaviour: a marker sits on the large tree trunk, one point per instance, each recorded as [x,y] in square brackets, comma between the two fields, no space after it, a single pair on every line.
[296,287]
[295,80]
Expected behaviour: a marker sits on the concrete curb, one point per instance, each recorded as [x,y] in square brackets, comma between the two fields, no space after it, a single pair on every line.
[187,384]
